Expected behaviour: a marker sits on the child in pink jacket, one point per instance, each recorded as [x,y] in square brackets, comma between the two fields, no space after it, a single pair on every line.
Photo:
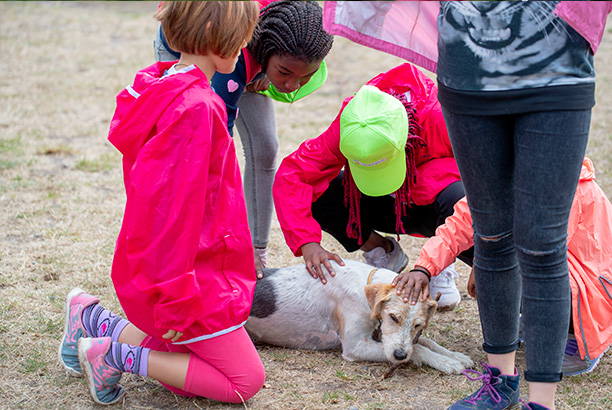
[317,187]
[183,268]
[589,256]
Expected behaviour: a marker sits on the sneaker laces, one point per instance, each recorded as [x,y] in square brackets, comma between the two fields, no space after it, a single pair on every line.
[488,381]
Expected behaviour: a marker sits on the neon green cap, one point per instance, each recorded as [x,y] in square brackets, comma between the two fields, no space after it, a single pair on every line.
[373,134]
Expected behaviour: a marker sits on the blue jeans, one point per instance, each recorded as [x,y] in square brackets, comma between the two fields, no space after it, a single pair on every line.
[520,174]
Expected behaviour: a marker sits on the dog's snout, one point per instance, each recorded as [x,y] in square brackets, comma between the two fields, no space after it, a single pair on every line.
[399,354]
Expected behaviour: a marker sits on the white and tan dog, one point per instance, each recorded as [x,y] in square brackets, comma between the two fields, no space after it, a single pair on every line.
[357,309]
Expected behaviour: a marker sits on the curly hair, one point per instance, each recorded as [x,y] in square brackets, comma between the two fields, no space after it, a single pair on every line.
[293,28]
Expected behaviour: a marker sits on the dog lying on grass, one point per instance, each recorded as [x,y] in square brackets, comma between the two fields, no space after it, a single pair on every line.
[357,309]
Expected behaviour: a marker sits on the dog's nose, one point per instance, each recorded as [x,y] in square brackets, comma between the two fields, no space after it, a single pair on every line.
[399,354]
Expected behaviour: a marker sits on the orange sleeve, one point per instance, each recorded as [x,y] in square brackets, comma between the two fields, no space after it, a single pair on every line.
[452,238]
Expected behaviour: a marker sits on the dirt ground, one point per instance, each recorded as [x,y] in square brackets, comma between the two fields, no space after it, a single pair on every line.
[62,198]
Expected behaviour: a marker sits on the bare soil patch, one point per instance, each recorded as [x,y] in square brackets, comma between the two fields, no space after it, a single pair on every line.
[62,198]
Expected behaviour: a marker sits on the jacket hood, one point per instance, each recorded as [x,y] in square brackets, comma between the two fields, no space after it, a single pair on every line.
[140,105]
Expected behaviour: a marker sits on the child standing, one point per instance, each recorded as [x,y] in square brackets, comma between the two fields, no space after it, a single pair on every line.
[183,267]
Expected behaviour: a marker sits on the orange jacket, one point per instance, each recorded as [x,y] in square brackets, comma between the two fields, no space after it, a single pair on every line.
[589,257]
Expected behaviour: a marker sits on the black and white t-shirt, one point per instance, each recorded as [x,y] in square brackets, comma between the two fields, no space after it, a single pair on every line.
[504,57]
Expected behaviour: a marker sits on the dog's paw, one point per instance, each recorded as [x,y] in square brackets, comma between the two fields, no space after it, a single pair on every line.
[465,360]
[447,365]
[455,367]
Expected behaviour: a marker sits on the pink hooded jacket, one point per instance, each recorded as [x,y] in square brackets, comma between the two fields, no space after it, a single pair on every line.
[589,256]
[184,256]
[304,175]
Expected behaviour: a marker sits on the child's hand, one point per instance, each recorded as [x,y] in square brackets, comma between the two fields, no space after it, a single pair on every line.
[471,285]
[259,85]
[314,256]
[414,282]
[173,334]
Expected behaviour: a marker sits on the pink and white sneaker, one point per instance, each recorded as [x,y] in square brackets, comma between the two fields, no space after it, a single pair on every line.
[102,379]
[75,302]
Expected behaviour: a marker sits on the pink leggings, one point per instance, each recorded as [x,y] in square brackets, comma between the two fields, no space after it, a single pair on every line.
[225,368]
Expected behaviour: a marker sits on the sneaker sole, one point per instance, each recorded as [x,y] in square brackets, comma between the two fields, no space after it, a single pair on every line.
[87,372]
[73,293]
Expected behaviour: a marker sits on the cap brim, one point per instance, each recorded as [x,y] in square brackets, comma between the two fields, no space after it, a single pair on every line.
[379,181]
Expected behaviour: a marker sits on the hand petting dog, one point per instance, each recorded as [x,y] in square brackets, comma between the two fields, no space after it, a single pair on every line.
[415,283]
[316,257]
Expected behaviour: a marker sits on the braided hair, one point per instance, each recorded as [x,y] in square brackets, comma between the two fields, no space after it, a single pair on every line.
[352,194]
[290,28]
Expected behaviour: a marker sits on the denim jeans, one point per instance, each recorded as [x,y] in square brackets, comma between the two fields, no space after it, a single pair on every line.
[520,174]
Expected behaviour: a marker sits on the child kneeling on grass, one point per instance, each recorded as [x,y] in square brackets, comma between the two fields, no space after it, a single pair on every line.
[183,268]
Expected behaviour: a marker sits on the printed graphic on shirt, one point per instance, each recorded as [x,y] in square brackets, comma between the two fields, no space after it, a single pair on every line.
[514,44]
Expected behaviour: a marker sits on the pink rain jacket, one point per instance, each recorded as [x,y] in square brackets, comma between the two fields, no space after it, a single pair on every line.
[589,257]
[304,175]
[184,256]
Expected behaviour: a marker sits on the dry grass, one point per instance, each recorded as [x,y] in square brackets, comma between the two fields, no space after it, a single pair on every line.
[61,203]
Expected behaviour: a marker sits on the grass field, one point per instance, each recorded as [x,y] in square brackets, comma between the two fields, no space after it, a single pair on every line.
[62,199]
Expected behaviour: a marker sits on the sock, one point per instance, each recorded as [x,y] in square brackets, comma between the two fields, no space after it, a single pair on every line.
[128,358]
[100,322]
[263,256]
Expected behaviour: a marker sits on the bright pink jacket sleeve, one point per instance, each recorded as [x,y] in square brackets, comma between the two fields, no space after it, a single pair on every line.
[301,179]
[162,223]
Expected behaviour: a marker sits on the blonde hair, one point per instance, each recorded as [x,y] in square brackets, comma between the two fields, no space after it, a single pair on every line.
[200,27]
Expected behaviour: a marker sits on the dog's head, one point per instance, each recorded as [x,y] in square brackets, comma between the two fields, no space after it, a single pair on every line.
[401,322]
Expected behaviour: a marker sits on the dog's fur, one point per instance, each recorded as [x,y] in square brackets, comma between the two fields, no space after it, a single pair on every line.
[370,322]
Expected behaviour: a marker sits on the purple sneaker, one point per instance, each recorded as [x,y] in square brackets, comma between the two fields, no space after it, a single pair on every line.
[75,302]
[102,379]
[498,391]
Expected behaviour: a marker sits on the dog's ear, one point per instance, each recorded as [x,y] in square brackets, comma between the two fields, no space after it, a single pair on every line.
[430,306]
[376,294]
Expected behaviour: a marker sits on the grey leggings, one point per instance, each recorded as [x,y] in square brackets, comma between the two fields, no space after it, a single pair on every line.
[256,125]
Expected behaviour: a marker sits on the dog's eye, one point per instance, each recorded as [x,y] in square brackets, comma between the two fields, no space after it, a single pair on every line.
[394,318]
